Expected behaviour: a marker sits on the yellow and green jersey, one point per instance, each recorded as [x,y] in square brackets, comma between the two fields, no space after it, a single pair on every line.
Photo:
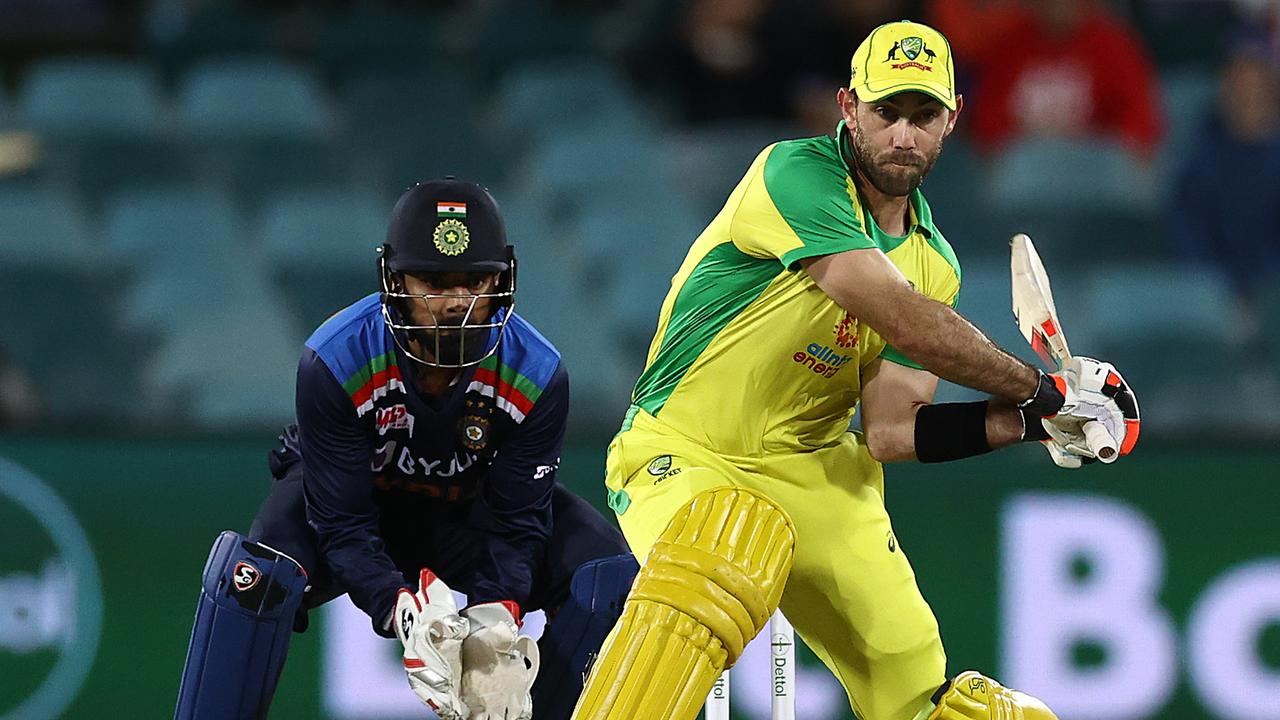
[751,357]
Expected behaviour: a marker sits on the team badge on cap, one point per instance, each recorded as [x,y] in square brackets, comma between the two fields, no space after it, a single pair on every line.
[451,237]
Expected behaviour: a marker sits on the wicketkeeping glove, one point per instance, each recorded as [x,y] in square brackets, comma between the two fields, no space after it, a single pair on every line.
[428,624]
[499,664]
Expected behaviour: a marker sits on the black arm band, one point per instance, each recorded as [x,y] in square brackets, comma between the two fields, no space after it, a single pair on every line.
[951,431]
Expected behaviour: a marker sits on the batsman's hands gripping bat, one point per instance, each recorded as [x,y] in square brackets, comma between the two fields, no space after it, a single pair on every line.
[428,624]
[1099,417]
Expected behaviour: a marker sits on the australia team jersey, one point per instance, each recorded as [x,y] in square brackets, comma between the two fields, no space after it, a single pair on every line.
[376,451]
[751,357]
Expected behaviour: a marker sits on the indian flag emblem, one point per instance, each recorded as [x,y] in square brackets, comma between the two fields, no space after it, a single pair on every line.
[451,209]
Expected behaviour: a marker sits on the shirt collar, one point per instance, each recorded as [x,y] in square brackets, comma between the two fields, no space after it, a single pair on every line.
[917,212]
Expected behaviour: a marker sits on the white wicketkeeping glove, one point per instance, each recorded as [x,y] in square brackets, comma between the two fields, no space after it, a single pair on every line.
[428,624]
[498,665]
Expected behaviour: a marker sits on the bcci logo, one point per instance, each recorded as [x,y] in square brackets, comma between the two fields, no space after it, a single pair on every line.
[451,237]
[50,600]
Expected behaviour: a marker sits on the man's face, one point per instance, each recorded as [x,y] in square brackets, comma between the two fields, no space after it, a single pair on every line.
[896,140]
[454,294]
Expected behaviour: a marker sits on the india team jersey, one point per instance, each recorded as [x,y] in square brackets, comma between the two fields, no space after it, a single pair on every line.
[751,357]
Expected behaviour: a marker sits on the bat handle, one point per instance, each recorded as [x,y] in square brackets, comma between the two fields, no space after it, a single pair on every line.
[1100,441]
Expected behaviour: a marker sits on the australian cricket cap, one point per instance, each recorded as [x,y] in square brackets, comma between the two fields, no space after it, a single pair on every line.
[902,56]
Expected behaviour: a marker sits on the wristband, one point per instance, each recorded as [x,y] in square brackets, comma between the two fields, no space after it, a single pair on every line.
[951,431]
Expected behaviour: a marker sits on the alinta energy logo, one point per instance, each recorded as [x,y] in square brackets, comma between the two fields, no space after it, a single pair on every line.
[50,600]
[821,359]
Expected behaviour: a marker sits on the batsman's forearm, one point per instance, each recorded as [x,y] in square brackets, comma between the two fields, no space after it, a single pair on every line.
[949,346]
[1004,424]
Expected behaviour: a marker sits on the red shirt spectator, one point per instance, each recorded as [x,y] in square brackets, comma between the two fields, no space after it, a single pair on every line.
[1061,68]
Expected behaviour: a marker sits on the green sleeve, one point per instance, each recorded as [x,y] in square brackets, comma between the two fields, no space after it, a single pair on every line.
[810,189]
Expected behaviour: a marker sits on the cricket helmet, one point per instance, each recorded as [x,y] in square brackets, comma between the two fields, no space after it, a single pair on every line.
[447,226]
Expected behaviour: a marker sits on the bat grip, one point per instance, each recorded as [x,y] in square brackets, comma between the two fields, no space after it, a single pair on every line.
[1100,441]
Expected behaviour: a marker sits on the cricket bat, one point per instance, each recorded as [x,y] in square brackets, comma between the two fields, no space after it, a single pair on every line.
[1037,318]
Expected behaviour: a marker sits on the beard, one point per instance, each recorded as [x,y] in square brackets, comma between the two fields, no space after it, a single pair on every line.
[895,172]
[453,345]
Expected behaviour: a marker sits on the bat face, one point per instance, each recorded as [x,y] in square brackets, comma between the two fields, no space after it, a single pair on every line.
[1033,305]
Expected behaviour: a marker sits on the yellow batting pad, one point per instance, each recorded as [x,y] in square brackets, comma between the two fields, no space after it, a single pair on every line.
[973,696]
[711,581]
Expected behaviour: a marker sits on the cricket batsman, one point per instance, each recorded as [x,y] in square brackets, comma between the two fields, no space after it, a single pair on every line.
[822,284]
[430,418]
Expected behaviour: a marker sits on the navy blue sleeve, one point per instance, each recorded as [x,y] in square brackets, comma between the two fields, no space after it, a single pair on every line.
[515,506]
[337,483]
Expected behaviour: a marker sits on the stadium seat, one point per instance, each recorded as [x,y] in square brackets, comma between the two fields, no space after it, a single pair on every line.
[91,97]
[320,249]
[1174,331]
[170,226]
[253,97]
[41,229]
[1075,199]
[570,172]
[706,163]
[520,32]
[375,40]
[58,296]
[410,127]
[565,96]
[229,369]
[1188,97]
[180,37]
[1070,176]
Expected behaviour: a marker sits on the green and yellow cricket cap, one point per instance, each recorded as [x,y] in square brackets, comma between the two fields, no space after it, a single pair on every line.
[902,56]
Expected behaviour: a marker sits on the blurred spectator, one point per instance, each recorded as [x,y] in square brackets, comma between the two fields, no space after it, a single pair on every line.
[816,41]
[1225,200]
[720,66]
[773,59]
[1053,68]
[18,405]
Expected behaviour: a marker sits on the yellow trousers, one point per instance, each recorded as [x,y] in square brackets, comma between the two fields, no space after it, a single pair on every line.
[852,595]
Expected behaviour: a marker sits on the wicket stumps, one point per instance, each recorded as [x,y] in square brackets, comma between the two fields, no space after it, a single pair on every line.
[782,675]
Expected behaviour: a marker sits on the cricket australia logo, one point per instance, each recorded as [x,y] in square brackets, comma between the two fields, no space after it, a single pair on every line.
[912,47]
[451,237]
[846,331]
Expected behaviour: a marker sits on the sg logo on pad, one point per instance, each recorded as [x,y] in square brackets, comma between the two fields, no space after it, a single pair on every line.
[245,576]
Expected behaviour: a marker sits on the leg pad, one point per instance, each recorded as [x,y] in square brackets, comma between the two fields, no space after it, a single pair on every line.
[974,696]
[709,585]
[240,636]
